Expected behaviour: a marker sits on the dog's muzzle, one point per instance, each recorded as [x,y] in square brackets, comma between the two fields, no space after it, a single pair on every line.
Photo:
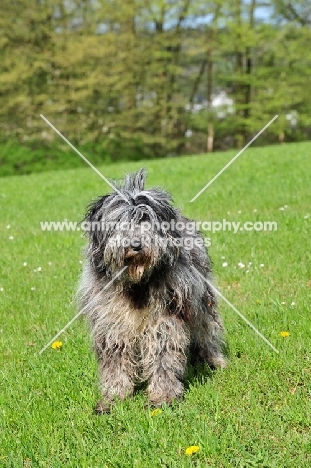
[136,260]
[134,249]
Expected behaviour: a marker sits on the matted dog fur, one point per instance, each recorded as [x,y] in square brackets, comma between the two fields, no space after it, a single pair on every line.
[159,313]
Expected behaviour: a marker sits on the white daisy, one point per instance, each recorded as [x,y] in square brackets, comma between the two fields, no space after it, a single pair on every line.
[225,264]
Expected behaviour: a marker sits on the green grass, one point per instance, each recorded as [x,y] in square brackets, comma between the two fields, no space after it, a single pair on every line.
[255,413]
[36,156]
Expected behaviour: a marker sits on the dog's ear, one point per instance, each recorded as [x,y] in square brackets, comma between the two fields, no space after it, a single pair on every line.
[96,235]
[135,182]
[95,209]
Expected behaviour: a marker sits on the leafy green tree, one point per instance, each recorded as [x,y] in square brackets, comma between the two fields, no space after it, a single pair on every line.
[134,79]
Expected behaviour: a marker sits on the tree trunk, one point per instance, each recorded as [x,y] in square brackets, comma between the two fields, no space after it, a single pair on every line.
[210,137]
[209,84]
[210,126]
[281,137]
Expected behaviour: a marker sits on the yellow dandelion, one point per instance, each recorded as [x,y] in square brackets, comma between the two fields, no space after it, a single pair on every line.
[192,449]
[57,345]
[156,412]
[258,301]
[284,334]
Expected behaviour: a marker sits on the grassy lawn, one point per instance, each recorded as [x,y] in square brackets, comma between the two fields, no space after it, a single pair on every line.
[255,413]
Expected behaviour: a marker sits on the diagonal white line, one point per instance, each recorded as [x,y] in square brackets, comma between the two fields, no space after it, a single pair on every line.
[198,194]
[81,311]
[237,312]
[233,159]
[83,157]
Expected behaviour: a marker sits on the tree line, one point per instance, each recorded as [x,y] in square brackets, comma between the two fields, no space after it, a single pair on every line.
[150,78]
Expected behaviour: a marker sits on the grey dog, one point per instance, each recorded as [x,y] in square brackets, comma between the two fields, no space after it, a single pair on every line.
[143,289]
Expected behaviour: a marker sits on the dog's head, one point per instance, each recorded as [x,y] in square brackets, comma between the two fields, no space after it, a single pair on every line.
[132,227]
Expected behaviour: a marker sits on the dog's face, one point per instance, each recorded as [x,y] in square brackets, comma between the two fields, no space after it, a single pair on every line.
[132,227]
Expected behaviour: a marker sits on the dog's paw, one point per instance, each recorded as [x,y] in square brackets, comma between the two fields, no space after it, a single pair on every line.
[164,399]
[103,407]
[218,362]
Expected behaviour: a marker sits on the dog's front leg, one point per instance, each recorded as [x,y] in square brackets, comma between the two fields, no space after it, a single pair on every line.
[117,371]
[164,359]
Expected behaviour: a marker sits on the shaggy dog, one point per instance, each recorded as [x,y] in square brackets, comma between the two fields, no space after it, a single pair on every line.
[143,290]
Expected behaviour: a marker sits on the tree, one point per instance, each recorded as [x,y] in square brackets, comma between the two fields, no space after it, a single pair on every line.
[131,79]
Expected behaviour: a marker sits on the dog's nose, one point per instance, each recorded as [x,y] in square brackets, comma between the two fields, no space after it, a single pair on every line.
[136,246]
